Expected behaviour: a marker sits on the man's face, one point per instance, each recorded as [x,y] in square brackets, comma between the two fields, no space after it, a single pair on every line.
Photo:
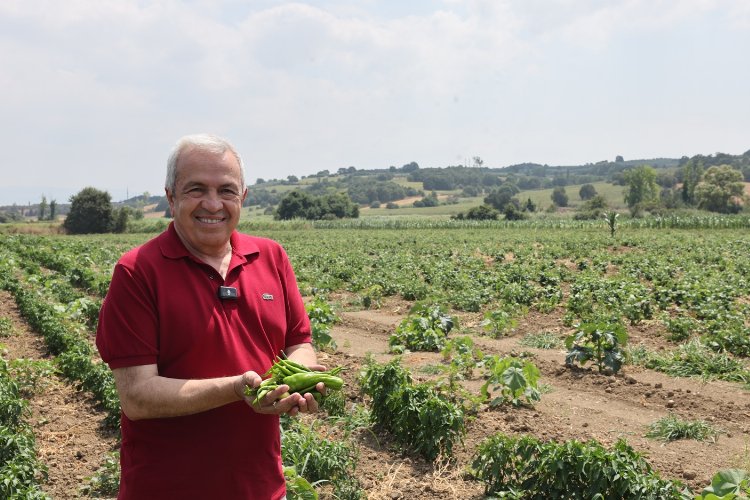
[207,200]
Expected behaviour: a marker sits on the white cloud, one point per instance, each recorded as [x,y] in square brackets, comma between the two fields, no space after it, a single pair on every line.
[100,89]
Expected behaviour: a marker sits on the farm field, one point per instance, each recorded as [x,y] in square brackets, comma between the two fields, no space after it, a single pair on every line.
[682,296]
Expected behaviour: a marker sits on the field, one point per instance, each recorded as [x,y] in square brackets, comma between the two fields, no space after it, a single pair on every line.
[682,296]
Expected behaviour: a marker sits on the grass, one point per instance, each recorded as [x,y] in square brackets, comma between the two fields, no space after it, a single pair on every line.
[672,428]
[542,340]
[6,327]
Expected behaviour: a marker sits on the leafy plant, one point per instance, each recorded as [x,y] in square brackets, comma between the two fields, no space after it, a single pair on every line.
[297,487]
[316,458]
[417,416]
[542,340]
[105,482]
[671,428]
[727,485]
[462,357]
[512,378]
[425,329]
[600,342]
[322,319]
[31,375]
[498,323]
[572,469]
[611,219]
[6,327]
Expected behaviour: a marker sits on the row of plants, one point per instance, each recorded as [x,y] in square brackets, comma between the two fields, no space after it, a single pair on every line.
[21,472]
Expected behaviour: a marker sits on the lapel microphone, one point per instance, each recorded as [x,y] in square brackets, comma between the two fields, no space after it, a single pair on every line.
[228,293]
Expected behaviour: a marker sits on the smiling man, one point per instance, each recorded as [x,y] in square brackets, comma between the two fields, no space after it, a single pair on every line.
[191,318]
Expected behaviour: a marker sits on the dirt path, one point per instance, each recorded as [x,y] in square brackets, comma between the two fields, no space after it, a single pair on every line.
[580,404]
[70,437]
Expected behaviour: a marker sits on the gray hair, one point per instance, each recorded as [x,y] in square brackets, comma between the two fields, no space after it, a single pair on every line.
[203,142]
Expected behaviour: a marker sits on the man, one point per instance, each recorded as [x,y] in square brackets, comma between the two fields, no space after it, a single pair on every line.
[191,318]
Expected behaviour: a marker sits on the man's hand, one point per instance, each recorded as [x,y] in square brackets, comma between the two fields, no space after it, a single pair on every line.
[275,402]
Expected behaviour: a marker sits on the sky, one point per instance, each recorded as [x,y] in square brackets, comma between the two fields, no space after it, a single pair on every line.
[97,92]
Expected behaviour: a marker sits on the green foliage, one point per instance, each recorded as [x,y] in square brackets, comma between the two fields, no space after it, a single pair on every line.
[587,192]
[20,470]
[727,484]
[641,187]
[482,212]
[105,482]
[90,212]
[31,375]
[6,327]
[297,487]
[611,219]
[498,323]
[462,356]
[318,459]
[600,342]
[559,196]
[694,359]
[722,190]
[542,340]
[418,417]
[672,428]
[511,379]
[531,469]
[425,329]
[300,204]
[322,318]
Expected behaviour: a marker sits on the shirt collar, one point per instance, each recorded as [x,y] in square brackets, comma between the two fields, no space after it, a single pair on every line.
[171,245]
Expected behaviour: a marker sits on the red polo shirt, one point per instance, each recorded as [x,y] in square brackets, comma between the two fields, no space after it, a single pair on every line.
[162,308]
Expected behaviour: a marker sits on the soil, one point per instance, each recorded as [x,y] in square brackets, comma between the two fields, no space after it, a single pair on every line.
[576,404]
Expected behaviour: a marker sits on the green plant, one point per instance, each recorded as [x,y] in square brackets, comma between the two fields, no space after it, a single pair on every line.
[727,485]
[611,219]
[425,329]
[31,375]
[694,359]
[6,327]
[462,357]
[297,487]
[105,482]
[572,469]
[498,323]
[513,379]
[322,319]
[542,340]
[671,428]
[315,457]
[417,416]
[600,342]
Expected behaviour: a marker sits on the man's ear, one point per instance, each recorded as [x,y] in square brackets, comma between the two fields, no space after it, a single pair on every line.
[170,199]
[244,195]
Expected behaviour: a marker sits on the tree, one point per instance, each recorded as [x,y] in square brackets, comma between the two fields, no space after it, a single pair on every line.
[640,187]
[559,196]
[42,208]
[52,209]
[501,196]
[90,212]
[691,175]
[721,190]
[482,212]
[587,192]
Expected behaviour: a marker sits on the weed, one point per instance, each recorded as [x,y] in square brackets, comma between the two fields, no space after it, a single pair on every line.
[672,428]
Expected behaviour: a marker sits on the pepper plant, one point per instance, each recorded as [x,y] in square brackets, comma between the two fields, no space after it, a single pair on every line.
[511,379]
[425,329]
[600,342]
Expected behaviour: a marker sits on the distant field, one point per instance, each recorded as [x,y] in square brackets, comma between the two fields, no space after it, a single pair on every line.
[543,197]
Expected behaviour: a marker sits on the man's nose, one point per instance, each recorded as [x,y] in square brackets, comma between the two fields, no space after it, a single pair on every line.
[211,201]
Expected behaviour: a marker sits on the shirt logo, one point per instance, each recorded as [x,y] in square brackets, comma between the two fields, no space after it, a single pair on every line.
[267,296]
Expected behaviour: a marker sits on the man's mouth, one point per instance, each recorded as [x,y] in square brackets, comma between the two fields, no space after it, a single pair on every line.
[206,220]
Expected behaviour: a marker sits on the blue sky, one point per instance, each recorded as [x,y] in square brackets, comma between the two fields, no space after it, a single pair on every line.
[96,92]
